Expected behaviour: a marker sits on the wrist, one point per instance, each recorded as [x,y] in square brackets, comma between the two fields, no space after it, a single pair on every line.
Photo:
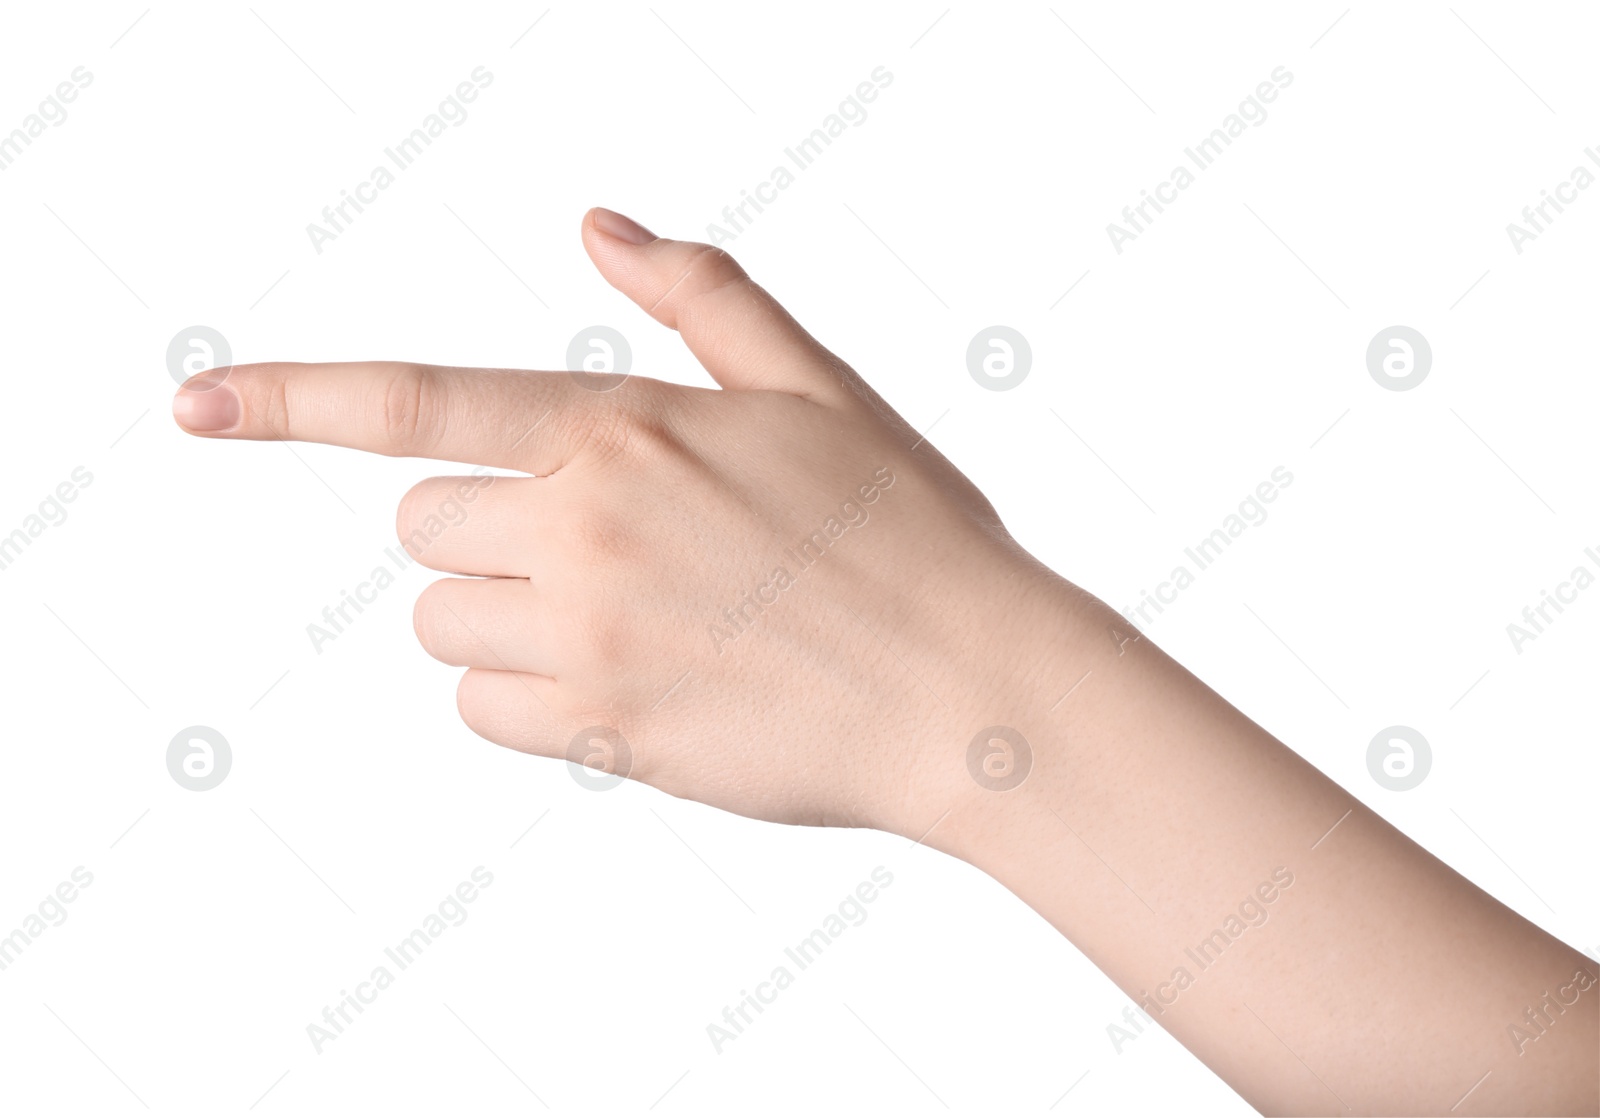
[994,756]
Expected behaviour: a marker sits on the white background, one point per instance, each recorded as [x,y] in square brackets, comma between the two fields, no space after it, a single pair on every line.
[1227,340]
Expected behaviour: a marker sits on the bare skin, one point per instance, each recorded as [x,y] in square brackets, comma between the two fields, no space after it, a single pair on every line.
[776,598]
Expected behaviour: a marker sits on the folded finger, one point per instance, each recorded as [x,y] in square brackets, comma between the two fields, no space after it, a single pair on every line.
[484,623]
[478,525]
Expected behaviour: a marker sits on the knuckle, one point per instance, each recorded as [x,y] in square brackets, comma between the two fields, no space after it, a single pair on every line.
[275,410]
[708,271]
[588,420]
[711,288]
[410,414]
[714,260]
[650,440]
[636,426]
[599,538]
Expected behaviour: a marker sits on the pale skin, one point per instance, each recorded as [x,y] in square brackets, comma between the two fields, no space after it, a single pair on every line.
[629,583]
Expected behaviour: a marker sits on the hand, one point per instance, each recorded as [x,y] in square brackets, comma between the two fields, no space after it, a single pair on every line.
[787,604]
[778,594]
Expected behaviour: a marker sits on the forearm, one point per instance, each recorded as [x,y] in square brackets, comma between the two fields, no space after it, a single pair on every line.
[1305,950]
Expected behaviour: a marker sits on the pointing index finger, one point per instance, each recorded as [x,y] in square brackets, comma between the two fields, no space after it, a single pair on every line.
[494,417]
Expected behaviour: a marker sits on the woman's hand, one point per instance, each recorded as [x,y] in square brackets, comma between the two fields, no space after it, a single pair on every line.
[776,598]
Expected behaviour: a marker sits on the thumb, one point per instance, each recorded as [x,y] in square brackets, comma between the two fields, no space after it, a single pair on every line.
[741,334]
